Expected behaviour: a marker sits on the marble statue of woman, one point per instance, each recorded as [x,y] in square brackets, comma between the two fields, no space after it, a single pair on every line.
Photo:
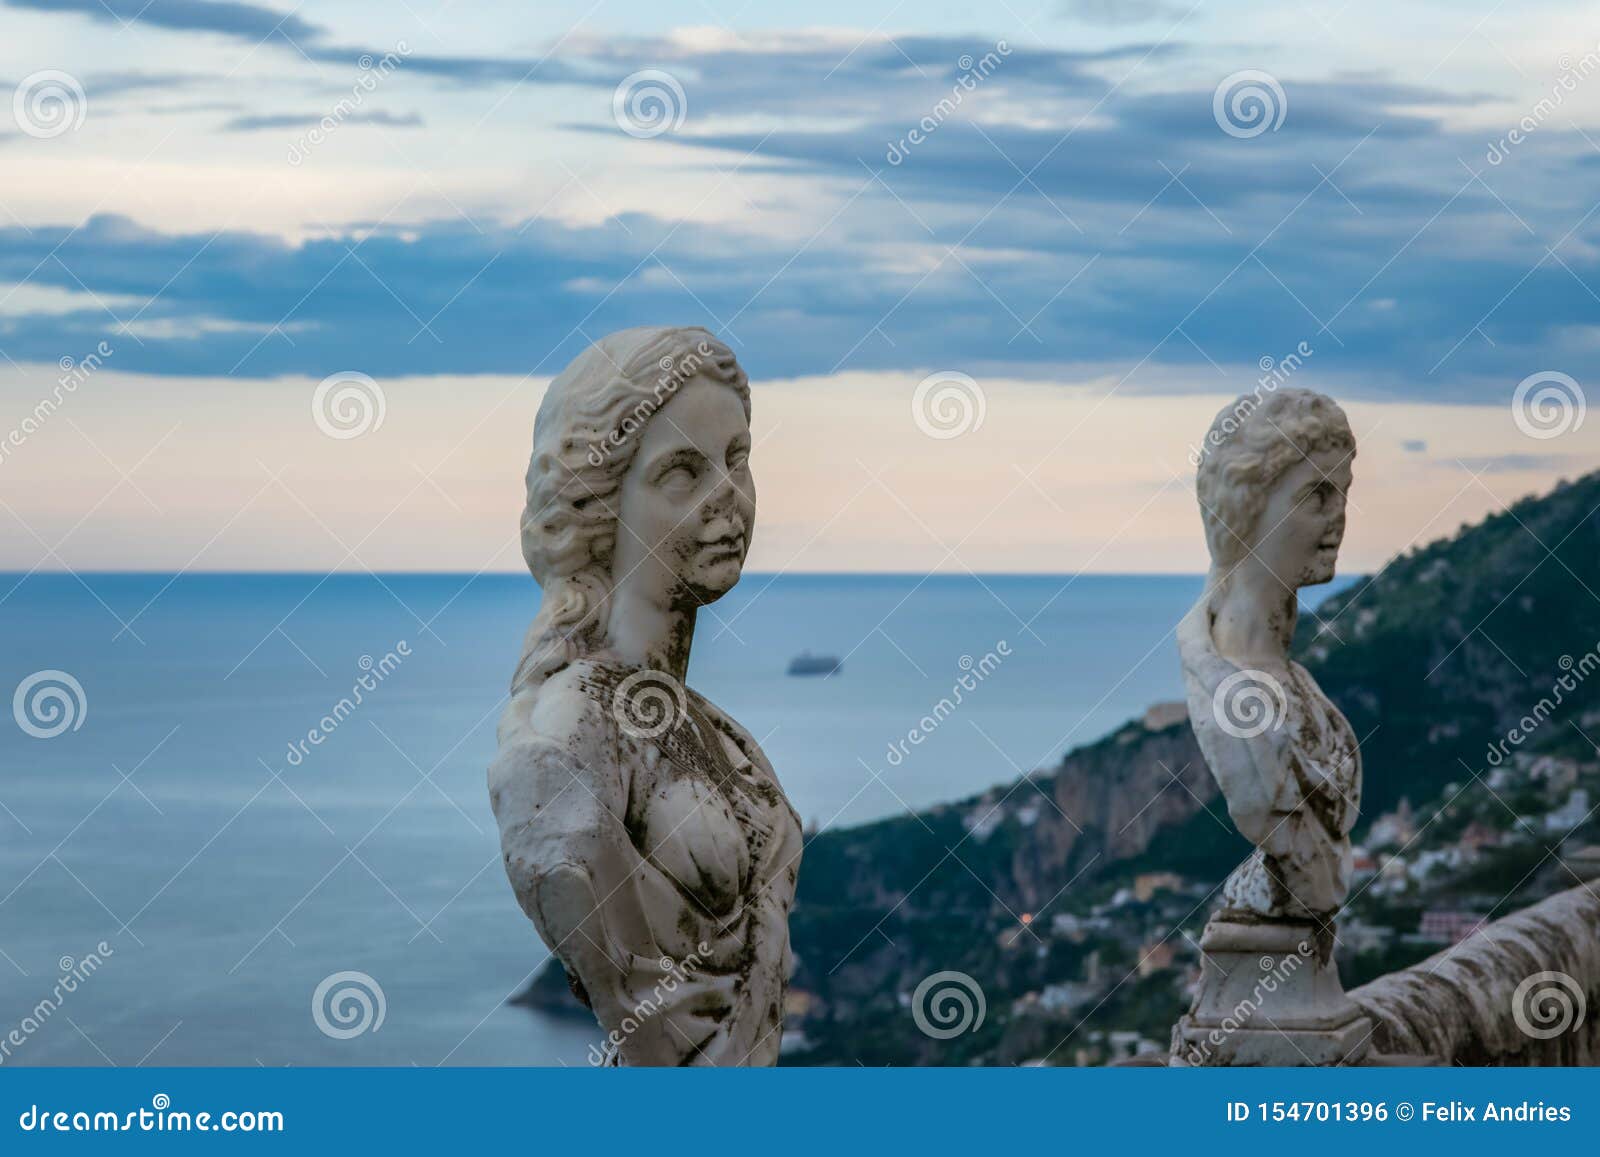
[1273,480]
[1272,489]
[643,830]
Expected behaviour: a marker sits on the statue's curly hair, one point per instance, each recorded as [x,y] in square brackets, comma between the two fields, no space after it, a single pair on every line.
[584,440]
[1252,441]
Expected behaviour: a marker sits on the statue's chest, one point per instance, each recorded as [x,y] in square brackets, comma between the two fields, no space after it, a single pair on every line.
[703,814]
[1323,744]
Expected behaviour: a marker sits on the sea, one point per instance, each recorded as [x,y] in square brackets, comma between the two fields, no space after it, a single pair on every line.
[205,860]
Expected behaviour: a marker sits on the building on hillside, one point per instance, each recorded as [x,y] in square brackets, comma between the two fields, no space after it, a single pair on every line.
[1395,876]
[1363,866]
[1558,772]
[1393,829]
[1148,884]
[1154,957]
[1502,779]
[1431,860]
[1068,926]
[1570,814]
[1357,936]
[1582,860]
[1477,836]
[1067,995]
[1161,716]
[1448,926]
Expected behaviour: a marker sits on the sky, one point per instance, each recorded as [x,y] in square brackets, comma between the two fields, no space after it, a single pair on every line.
[1084,225]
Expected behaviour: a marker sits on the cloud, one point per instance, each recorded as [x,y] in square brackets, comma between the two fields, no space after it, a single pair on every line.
[244,21]
[1518,463]
[255,24]
[1035,223]
[251,124]
[1121,12]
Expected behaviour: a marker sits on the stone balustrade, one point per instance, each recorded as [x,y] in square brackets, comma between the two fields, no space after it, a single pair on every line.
[1500,996]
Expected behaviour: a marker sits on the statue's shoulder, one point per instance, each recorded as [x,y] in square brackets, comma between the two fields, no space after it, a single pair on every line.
[569,710]
[1203,665]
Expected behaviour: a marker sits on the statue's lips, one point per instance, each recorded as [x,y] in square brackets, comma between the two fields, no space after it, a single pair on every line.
[732,546]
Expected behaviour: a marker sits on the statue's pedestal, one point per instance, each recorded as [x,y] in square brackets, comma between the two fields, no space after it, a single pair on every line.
[1269,994]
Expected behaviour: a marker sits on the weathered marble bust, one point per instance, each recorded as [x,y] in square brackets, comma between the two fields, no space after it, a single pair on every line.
[644,831]
[1272,497]
[1272,485]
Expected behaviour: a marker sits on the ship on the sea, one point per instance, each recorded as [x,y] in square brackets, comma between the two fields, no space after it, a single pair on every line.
[809,664]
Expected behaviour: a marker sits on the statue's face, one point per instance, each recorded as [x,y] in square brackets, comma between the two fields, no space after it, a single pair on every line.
[1302,526]
[688,503]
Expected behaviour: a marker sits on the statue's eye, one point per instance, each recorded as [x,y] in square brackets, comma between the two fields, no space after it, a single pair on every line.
[738,457]
[677,476]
